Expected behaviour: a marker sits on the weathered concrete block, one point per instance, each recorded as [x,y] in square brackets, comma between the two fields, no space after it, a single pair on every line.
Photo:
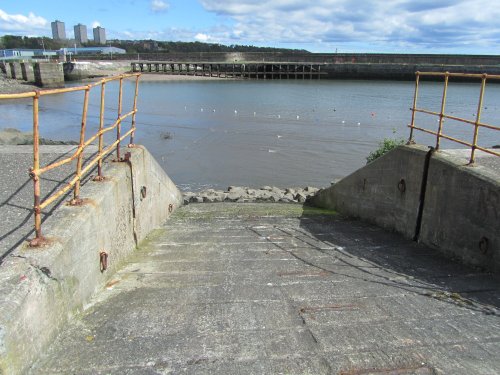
[14,70]
[41,288]
[49,75]
[461,215]
[3,67]
[385,192]
[27,71]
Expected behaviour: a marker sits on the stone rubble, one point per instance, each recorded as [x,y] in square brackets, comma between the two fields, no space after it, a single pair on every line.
[241,194]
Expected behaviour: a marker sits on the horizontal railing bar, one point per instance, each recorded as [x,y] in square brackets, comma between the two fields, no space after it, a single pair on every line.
[464,75]
[489,151]
[456,140]
[87,167]
[492,127]
[64,90]
[29,94]
[441,135]
[49,167]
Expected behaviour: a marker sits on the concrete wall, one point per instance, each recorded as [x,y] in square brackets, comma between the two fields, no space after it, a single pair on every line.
[320,58]
[14,70]
[41,288]
[27,71]
[461,214]
[373,192]
[461,210]
[49,75]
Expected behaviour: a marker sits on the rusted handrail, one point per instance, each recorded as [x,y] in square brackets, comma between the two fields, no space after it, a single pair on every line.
[442,115]
[36,171]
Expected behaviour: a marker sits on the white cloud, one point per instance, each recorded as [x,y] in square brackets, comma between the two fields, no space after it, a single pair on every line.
[22,24]
[202,37]
[95,24]
[159,6]
[394,23]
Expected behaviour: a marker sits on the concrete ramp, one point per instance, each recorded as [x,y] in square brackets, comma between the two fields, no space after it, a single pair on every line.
[260,288]
[432,197]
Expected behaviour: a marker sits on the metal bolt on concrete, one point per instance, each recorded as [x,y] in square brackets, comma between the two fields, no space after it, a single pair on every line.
[283,289]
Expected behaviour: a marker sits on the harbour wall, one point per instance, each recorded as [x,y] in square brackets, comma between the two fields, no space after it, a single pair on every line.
[40,289]
[431,197]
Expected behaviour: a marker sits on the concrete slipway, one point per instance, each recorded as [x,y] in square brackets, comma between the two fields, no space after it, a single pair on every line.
[249,289]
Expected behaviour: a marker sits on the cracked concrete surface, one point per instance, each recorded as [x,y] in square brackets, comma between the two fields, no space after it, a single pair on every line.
[283,289]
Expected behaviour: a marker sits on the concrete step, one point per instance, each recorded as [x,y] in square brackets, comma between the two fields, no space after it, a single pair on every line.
[265,288]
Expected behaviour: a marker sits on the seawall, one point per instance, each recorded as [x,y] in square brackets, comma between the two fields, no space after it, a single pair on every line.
[40,289]
[432,197]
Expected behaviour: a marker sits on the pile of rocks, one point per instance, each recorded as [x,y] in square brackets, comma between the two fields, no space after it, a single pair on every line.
[248,195]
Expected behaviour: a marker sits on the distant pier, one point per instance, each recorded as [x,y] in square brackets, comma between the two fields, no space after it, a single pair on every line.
[266,70]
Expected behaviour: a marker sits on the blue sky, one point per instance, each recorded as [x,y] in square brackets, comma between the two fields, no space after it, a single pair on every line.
[413,26]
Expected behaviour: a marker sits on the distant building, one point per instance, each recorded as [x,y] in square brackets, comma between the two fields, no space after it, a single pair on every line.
[58,31]
[81,33]
[27,54]
[99,35]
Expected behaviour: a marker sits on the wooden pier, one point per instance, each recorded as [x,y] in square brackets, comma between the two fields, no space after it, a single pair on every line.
[267,70]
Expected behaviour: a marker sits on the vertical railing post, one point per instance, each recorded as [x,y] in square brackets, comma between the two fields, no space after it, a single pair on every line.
[135,109]
[413,109]
[76,191]
[118,126]
[34,172]
[100,177]
[441,114]
[478,119]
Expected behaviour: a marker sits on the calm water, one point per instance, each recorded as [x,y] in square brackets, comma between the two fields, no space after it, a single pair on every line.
[254,133]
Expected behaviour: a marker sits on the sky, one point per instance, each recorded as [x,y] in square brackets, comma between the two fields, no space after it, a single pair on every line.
[384,26]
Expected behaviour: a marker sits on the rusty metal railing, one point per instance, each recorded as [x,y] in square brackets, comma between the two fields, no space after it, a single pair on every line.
[442,115]
[81,171]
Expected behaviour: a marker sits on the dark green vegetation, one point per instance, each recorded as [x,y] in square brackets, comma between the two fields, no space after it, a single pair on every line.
[384,147]
[135,46]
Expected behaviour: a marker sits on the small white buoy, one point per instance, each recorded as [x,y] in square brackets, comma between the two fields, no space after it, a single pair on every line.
[298,117]
[201,110]
[279,136]
[235,112]
[185,108]
[279,116]
[214,110]
[343,122]
[254,114]
[359,123]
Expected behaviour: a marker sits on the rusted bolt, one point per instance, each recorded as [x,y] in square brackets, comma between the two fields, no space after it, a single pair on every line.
[103,260]
[483,245]
[402,185]
[144,192]
[170,208]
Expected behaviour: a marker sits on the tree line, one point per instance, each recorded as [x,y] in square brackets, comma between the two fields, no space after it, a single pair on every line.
[136,46]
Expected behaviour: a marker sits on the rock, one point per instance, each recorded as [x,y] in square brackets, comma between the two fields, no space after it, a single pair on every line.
[267,188]
[311,190]
[289,197]
[233,196]
[300,197]
[290,191]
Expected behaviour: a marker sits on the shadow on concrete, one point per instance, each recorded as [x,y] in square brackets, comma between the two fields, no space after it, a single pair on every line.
[389,259]
[20,201]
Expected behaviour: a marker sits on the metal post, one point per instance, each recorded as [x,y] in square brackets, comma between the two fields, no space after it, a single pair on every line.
[415,96]
[118,126]
[135,110]
[100,177]
[34,171]
[76,190]
[441,114]
[478,119]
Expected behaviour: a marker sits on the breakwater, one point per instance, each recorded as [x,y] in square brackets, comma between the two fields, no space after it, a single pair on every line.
[241,194]
[392,67]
